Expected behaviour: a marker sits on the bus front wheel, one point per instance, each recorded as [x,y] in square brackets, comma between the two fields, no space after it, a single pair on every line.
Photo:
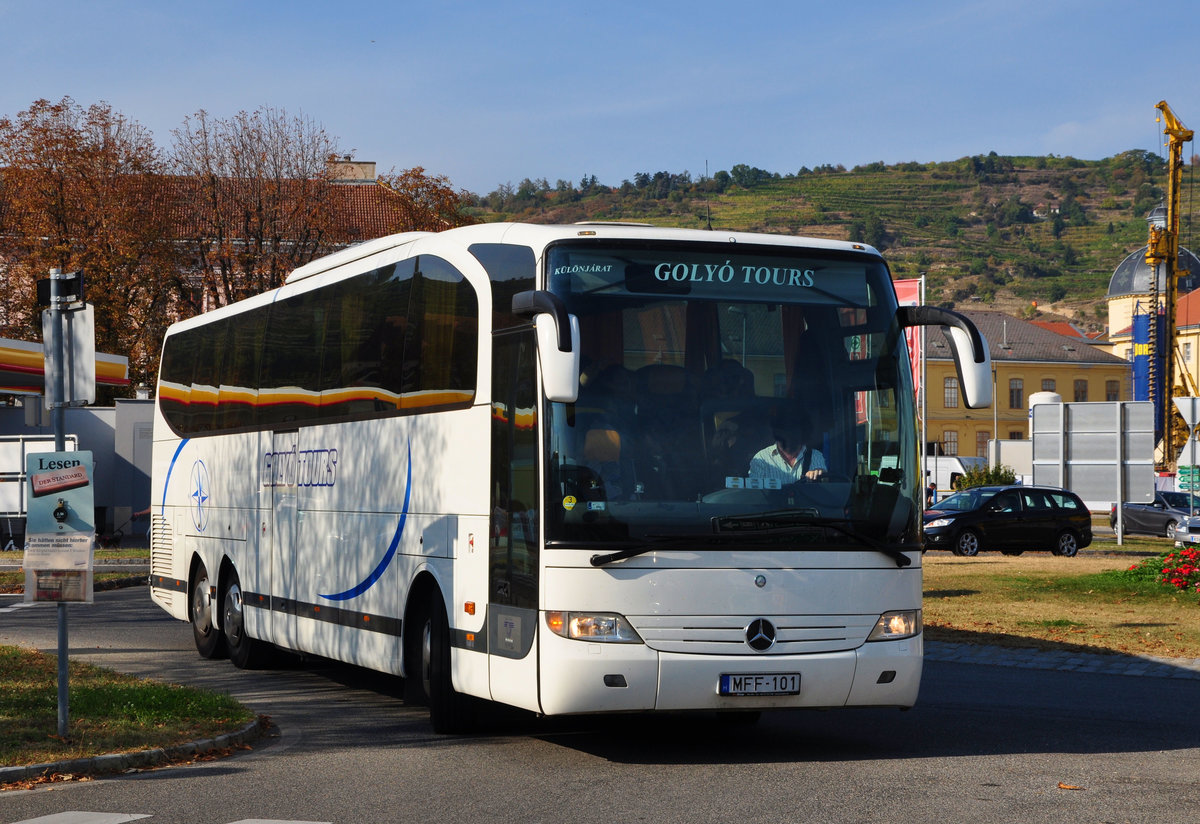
[449,710]
[210,643]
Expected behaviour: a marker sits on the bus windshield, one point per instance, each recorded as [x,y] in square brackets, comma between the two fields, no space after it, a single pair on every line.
[740,394]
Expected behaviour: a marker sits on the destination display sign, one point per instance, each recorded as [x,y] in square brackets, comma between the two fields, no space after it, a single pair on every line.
[749,275]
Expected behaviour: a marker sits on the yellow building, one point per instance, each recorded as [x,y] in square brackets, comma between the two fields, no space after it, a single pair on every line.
[1026,358]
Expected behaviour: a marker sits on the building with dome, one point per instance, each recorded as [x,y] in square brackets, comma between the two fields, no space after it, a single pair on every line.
[1135,286]
[1136,297]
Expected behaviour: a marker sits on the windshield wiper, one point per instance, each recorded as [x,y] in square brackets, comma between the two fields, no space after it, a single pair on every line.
[797,520]
[654,542]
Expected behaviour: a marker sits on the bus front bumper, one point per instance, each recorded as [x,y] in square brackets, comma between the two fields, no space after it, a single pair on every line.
[583,677]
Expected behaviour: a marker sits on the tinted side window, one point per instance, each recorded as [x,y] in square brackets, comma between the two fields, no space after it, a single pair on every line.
[209,343]
[1066,501]
[511,269]
[1005,502]
[1036,500]
[175,380]
[441,349]
[362,351]
[237,397]
[290,367]
[402,337]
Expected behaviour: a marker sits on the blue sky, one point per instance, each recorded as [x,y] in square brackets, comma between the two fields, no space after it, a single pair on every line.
[492,92]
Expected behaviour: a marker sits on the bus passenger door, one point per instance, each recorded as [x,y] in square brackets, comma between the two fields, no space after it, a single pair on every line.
[514,540]
[279,480]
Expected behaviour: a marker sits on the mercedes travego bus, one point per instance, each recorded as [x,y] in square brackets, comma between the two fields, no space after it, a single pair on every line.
[574,469]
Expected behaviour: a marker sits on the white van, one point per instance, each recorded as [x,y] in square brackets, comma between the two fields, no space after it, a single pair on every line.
[944,470]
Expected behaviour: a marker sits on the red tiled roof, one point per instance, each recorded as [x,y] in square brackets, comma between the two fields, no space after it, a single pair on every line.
[1060,327]
[1187,310]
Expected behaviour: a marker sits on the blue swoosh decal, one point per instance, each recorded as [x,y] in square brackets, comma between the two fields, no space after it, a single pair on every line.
[377,573]
[170,469]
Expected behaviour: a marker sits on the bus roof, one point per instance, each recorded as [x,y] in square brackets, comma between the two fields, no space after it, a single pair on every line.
[538,236]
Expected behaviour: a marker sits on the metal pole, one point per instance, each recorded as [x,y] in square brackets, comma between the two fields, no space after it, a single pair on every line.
[1122,492]
[56,387]
[56,390]
[923,387]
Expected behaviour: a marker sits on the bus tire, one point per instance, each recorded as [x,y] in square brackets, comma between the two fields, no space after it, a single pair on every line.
[245,652]
[449,711]
[210,642]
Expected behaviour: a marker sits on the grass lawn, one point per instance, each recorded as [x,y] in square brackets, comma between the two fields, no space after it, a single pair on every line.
[108,712]
[1040,600]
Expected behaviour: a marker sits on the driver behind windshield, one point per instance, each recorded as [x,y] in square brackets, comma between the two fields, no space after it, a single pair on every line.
[790,458]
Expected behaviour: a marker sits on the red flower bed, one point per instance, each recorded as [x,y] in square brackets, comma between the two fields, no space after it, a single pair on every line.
[1181,569]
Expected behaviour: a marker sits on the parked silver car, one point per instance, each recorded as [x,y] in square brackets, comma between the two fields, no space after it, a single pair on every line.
[1162,516]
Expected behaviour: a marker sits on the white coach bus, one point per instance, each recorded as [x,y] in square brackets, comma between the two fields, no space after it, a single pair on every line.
[574,469]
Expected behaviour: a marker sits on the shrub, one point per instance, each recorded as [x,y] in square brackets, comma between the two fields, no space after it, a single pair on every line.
[998,475]
[1179,570]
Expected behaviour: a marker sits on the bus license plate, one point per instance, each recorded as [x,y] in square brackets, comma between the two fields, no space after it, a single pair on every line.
[760,683]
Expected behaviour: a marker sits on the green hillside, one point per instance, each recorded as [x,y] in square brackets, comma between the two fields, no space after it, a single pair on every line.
[988,231]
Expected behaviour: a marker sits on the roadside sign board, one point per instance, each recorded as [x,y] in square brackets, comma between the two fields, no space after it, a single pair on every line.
[60,527]
[1101,451]
[1189,409]
[1187,477]
[78,366]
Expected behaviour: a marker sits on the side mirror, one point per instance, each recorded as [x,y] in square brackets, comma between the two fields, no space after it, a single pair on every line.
[557,342]
[972,360]
[560,370]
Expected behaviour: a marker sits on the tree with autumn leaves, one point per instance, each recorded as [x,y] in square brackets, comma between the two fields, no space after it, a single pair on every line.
[82,189]
[259,198]
[226,213]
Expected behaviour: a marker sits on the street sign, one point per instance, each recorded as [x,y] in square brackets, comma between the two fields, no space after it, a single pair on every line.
[77,364]
[1189,408]
[1187,476]
[60,527]
[70,287]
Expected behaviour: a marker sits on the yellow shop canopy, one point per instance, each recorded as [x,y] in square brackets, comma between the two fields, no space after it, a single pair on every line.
[23,371]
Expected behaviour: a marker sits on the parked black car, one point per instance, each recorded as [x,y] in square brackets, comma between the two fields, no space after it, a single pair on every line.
[1011,519]
[1159,517]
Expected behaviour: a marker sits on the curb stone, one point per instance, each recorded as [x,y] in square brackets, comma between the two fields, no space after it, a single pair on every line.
[120,762]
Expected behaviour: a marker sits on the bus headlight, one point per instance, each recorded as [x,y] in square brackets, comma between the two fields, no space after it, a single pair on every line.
[892,626]
[605,627]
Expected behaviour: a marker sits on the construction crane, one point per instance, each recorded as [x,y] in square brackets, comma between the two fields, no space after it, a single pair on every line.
[1163,249]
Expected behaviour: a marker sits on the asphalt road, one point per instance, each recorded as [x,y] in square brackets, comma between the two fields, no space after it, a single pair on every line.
[986,743]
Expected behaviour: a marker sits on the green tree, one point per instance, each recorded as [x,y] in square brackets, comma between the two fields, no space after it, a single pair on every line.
[874,231]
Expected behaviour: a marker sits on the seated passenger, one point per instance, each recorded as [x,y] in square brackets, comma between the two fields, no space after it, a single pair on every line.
[790,459]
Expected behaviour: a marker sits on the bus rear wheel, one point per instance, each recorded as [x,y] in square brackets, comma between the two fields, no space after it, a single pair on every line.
[245,652]
[210,643]
[449,710]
